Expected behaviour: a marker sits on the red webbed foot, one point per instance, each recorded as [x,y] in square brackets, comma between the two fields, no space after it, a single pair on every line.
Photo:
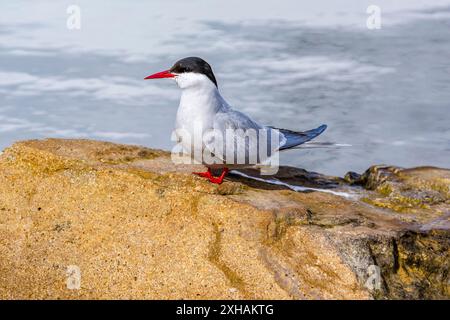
[212,179]
[206,174]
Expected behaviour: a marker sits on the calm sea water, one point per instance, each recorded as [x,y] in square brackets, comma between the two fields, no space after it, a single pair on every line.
[386,92]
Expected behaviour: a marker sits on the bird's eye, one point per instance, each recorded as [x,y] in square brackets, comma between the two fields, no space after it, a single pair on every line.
[181,69]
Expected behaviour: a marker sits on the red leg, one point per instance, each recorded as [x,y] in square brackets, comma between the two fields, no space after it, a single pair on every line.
[206,174]
[212,179]
[219,180]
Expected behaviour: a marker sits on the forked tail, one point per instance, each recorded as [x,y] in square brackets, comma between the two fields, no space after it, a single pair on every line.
[296,138]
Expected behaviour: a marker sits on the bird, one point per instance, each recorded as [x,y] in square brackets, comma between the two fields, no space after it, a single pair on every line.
[202,105]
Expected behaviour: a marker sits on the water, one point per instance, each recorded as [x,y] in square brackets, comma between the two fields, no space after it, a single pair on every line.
[386,92]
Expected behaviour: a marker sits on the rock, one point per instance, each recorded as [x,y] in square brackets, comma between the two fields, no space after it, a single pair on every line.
[423,193]
[87,219]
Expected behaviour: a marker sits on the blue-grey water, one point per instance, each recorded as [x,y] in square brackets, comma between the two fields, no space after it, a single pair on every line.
[384,91]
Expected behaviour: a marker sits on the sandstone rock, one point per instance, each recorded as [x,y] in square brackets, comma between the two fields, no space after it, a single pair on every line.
[134,225]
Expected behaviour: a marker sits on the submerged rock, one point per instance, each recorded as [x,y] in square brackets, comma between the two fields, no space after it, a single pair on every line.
[88,219]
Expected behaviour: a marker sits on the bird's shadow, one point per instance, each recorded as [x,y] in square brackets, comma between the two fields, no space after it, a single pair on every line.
[292,176]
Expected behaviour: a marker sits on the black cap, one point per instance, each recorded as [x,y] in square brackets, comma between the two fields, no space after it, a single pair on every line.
[194,64]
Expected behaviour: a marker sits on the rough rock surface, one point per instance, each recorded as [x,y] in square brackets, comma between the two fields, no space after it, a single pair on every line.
[137,226]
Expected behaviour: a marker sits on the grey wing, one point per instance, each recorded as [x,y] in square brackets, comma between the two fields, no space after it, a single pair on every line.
[241,138]
[235,120]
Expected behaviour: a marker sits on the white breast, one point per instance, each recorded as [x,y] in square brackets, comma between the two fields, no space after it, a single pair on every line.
[200,101]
